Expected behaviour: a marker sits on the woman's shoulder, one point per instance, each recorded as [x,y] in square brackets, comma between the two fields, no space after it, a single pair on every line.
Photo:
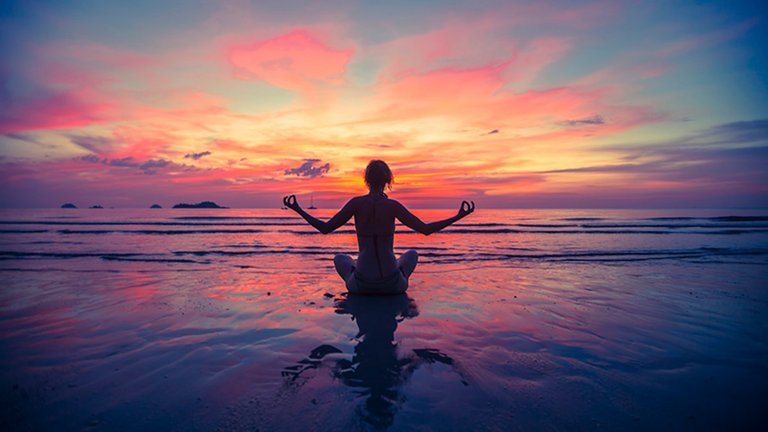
[358,201]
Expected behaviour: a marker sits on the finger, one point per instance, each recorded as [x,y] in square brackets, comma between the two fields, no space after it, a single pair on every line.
[473,206]
[285,200]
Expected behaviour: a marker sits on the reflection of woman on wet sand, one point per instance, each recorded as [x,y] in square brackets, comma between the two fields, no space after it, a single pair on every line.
[376,270]
[375,369]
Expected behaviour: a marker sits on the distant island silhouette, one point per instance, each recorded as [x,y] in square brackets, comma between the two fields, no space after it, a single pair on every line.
[200,205]
[96,206]
[156,206]
[68,205]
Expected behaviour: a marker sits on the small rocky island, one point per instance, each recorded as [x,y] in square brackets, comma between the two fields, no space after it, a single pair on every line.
[68,205]
[96,206]
[200,205]
[155,206]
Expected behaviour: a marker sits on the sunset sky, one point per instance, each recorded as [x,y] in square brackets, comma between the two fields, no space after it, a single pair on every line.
[512,104]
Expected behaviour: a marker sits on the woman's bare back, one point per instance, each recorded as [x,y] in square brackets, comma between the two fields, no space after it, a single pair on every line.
[375,226]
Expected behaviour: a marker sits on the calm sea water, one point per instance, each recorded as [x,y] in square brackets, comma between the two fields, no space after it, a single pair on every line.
[196,239]
[115,319]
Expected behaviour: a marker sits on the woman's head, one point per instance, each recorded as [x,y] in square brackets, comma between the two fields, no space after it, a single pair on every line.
[378,175]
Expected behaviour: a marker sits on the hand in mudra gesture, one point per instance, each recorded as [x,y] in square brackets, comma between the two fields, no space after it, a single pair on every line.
[290,202]
[466,208]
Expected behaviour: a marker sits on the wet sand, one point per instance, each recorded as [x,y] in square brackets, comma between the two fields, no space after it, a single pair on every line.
[672,346]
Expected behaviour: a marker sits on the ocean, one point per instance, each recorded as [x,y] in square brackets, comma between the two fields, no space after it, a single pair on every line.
[183,319]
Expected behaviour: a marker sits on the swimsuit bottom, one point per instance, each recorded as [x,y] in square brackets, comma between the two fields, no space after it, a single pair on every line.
[396,283]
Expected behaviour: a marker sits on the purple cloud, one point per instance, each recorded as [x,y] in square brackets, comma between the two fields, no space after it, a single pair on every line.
[92,158]
[196,156]
[127,161]
[149,166]
[308,169]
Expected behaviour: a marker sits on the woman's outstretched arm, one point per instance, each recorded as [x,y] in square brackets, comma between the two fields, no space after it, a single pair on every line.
[335,222]
[411,221]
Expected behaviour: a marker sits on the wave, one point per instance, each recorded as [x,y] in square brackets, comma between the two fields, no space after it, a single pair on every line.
[326,247]
[263,252]
[163,232]
[706,251]
[158,223]
[673,226]
[46,242]
[613,256]
[322,252]
[235,217]
[582,231]
[683,218]
[715,218]
[594,231]
[162,260]
[538,255]
[449,231]
[139,257]
[22,254]
[741,218]
[481,224]
[672,218]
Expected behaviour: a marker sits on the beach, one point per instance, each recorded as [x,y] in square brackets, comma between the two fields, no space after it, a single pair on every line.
[514,320]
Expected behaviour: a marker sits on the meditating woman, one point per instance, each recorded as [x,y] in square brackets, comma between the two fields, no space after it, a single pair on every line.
[376,270]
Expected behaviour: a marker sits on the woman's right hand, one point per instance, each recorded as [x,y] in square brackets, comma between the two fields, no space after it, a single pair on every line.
[466,208]
[290,202]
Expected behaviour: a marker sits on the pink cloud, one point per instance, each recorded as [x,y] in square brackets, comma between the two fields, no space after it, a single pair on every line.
[478,97]
[534,56]
[67,109]
[444,89]
[295,61]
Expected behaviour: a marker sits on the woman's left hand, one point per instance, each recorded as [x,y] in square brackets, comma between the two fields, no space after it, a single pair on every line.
[466,208]
[290,202]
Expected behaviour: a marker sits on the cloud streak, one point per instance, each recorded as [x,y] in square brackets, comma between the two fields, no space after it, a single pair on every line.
[586,121]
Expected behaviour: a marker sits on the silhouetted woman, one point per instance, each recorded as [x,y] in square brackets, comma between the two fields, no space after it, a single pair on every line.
[376,270]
